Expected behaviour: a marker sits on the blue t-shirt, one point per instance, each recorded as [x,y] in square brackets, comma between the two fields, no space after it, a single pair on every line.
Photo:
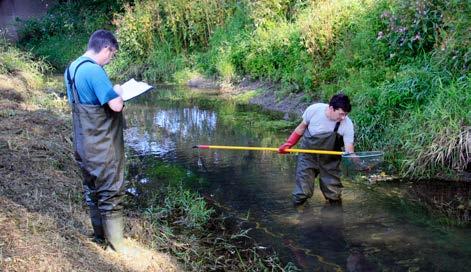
[92,83]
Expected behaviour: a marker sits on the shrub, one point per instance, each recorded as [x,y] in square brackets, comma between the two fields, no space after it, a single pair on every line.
[14,61]
[63,32]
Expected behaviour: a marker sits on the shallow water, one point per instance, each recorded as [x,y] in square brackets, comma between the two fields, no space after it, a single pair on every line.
[367,233]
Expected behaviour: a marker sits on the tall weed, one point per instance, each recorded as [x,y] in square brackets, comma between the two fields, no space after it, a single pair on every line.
[14,61]
[62,34]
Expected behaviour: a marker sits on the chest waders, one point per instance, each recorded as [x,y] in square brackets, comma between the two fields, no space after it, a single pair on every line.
[327,167]
[99,152]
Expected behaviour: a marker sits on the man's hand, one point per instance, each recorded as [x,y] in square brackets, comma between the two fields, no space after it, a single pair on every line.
[283,147]
[117,104]
[292,141]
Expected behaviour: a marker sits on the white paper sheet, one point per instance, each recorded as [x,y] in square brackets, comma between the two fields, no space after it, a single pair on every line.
[133,88]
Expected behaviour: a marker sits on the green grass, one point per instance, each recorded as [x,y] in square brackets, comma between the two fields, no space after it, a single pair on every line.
[18,63]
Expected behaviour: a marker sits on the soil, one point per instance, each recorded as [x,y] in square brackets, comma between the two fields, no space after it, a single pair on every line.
[44,224]
[292,105]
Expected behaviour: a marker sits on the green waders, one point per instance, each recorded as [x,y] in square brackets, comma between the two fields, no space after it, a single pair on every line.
[327,167]
[99,152]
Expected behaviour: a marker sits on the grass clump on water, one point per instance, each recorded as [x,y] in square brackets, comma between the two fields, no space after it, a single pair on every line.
[192,227]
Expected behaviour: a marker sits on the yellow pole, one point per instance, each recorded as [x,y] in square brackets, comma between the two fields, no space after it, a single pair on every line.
[312,151]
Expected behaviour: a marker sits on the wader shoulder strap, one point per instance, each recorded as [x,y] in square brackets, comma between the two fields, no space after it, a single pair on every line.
[337,126]
[71,81]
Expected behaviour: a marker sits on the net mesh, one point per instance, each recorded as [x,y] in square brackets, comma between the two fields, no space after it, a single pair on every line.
[364,163]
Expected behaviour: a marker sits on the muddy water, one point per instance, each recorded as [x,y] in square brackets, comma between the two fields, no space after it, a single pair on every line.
[369,232]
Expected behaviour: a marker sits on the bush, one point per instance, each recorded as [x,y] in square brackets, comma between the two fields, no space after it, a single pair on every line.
[412,27]
[14,61]
[62,34]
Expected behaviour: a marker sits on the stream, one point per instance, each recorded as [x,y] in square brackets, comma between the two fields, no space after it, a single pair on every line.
[370,231]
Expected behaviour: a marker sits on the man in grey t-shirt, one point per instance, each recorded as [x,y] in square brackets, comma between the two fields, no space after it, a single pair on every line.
[324,127]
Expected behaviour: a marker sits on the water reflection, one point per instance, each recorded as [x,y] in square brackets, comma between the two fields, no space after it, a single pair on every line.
[144,144]
[256,186]
[186,121]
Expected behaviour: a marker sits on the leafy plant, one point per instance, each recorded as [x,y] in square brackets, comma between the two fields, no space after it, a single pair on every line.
[413,27]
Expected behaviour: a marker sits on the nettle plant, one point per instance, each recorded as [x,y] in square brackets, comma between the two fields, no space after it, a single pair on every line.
[412,28]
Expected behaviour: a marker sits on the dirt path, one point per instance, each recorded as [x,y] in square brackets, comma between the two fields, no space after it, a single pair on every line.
[44,223]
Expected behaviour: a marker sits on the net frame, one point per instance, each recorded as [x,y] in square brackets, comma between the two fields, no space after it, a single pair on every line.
[366,162]
[363,154]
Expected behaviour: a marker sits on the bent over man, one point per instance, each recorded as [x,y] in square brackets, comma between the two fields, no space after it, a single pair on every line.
[324,127]
[98,136]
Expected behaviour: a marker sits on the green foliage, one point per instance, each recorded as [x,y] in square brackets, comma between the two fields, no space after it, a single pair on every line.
[454,50]
[53,51]
[323,22]
[192,22]
[160,64]
[268,12]
[175,198]
[62,34]
[191,209]
[14,61]
[164,64]
[136,28]
[184,24]
[223,57]
[412,27]
[434,137]
[278,54]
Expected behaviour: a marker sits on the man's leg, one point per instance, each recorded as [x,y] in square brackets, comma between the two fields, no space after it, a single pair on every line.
[306,173]
[110,197]
[91,198]
[330,183]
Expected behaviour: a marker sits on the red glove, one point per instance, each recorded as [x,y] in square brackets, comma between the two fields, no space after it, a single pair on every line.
[292,141]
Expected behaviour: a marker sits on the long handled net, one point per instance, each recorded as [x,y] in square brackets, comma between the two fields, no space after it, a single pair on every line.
[366,163]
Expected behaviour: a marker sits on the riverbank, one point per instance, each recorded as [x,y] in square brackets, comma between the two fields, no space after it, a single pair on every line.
[45,225]
[261,93]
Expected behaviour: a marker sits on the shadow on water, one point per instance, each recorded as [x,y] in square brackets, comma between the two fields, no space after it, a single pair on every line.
[363,234]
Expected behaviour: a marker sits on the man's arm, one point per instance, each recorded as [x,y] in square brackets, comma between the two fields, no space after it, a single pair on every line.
[301,128]
[117,104]
[293,138]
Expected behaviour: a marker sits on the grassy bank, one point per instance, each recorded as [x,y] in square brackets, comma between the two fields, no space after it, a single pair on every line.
[405,64]
[45,225]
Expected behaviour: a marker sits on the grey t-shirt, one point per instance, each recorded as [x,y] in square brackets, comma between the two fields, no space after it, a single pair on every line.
[318,122]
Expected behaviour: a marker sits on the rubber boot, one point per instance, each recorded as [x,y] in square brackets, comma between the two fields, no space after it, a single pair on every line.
[113,225]
[97,224]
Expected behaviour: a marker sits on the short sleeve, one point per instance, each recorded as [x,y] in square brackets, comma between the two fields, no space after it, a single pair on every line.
[308,113]
[101,85]
[349,134]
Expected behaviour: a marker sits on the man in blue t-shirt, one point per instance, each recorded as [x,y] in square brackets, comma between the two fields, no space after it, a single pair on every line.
[98,136]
